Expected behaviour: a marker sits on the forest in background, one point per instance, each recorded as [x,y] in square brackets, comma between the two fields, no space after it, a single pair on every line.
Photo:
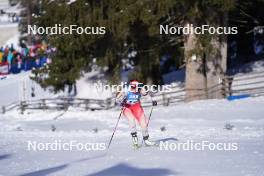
[132,35]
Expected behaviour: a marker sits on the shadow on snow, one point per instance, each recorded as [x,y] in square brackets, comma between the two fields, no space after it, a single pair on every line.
[2,157]
[50,170]
[45,172]
[167,139]
[126,170]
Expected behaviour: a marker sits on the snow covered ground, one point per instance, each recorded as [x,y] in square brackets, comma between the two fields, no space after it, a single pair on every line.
[9,34]
[15,88]
[197,121]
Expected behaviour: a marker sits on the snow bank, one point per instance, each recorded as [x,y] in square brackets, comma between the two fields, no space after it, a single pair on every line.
[175,76]
[256,66]
[250,76]
[87,87]
[13,41]
[15,88]
[8,34]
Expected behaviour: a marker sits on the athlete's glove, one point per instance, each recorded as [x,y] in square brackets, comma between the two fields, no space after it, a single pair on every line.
[119,101]
[123,103]
[154,103]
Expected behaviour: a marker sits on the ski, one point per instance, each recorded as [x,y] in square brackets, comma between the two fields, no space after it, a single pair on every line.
[135,147]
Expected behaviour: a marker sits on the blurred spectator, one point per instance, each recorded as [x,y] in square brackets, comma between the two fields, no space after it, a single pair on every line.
[26,58]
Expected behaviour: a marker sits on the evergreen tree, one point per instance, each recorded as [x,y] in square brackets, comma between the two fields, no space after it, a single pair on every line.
[134,25]
[28,16]
[129,25]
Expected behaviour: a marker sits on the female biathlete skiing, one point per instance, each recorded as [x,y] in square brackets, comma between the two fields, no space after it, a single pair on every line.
[133,111]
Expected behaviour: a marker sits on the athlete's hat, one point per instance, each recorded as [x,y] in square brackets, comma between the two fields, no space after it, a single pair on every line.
[133,83]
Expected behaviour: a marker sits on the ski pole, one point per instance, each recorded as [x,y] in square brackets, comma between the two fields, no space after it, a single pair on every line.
[150,115]
[150,110]
[148,121]
[115,128]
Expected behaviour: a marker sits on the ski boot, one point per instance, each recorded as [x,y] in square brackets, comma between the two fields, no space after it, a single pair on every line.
[135,140]
[148,142]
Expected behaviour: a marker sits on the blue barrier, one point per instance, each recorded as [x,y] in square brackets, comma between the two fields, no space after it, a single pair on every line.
[27,65]
[236,97]
[15,69]
[43,61]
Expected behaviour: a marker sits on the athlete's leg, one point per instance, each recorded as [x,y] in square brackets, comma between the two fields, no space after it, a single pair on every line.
[138,112]
[140,116]
[143,124]
[132,124]
[131,119]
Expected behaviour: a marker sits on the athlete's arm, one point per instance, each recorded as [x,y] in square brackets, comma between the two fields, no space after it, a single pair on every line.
[142,90]
[119,95]
[154,102]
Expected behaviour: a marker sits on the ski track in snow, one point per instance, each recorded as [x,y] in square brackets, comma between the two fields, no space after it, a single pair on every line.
[196,121]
